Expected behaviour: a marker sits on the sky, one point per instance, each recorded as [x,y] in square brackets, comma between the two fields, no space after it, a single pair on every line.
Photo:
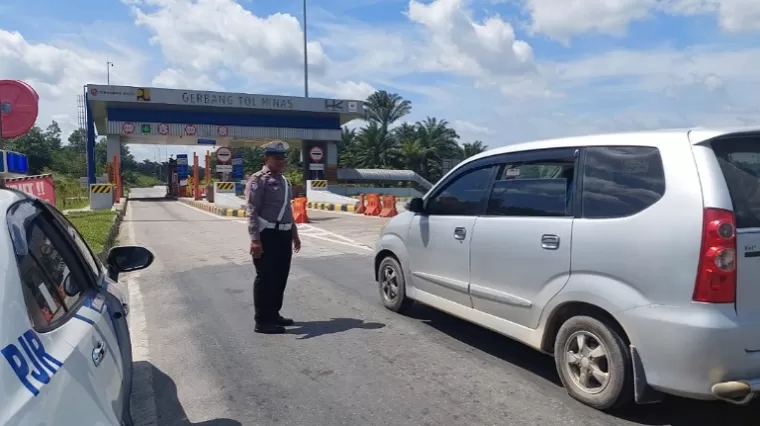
[499,71]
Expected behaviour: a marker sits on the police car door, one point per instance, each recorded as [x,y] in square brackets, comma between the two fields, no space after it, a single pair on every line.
[64,364]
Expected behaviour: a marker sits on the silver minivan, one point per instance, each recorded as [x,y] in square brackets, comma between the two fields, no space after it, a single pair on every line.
[633,258]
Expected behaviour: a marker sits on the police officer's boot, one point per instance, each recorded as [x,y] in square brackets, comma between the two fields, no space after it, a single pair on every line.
[269,328]
[285,322]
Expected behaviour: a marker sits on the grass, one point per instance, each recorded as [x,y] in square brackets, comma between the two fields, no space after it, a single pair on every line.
[94,227]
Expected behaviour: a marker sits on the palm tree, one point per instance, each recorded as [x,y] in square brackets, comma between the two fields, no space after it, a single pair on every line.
[347,147]
[437,141]
[386,108]
[472,148]
[374,147]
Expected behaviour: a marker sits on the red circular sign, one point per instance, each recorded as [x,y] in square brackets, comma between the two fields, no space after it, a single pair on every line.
[222,131]
[223,154]
[128,128]
[163,129]
[94,91]
[19,105]
[191,130]
[316,154]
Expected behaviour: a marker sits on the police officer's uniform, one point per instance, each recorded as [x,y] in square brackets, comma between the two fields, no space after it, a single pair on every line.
[270,222]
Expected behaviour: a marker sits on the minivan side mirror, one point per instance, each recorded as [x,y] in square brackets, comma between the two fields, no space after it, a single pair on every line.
[128,259]
[416,205]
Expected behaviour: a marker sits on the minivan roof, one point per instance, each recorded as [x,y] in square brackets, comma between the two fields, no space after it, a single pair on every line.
[695,135]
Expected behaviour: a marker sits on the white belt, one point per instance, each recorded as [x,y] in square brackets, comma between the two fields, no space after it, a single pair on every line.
[265,224]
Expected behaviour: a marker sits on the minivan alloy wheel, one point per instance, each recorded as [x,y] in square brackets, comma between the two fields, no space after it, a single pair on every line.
[586,362]
[389,283]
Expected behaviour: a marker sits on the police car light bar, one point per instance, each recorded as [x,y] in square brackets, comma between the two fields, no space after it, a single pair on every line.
[13,164]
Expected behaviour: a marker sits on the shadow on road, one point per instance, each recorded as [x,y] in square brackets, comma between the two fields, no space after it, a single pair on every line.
[315,219]
[311,329]
[169,410]
[672,411]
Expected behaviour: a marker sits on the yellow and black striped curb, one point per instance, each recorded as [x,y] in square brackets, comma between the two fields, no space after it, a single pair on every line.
[319,184]
[234,212]
[212,208]
[351,208]
[225,186]
[100,189]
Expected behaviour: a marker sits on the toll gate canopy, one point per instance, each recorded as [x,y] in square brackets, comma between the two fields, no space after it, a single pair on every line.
[149,115]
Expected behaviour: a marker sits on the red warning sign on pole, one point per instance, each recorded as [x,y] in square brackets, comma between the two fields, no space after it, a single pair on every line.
[41,186]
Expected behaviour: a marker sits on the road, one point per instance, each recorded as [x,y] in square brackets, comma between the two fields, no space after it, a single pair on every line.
[348,361]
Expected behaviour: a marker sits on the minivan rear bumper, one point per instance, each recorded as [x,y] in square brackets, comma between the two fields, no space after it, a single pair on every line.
[695,350]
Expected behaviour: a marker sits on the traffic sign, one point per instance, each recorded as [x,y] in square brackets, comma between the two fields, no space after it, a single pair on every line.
[223,154]
[224,168]
[316,154]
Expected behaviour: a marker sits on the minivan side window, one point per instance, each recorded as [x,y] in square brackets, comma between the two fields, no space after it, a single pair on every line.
[620,181]
[539,188]
[464,196]
[53,281]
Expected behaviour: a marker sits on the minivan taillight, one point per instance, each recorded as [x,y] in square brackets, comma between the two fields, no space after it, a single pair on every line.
[716,276]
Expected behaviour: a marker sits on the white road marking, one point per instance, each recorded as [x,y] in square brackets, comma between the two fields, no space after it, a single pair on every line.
[324,234]
[143,395]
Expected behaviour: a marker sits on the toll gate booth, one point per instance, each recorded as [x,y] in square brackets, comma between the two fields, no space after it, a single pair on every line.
[172,179]
[147,115]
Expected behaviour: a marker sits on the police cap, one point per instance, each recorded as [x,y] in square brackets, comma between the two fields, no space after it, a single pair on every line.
[276,148]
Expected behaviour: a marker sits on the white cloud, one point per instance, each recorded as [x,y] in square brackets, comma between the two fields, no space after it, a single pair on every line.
[461,45]
[206,35]
[561,20]
[173,78]
[59,72]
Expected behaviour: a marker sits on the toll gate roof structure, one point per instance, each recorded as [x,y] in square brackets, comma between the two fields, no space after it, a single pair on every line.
[149,115]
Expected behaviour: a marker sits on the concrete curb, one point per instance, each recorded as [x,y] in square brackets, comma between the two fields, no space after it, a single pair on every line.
[114,232]
[330,207]
[213,208]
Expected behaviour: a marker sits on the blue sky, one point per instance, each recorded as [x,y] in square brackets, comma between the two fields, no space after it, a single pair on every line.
[500,71]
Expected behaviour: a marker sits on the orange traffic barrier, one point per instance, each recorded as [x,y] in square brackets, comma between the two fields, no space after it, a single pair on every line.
[299,210]
[373,205]
[388,204]
[361,208]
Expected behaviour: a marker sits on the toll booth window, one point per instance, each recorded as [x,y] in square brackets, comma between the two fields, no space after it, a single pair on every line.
[50,288]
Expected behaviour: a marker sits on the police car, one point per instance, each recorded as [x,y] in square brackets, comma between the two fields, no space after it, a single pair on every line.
[66,354]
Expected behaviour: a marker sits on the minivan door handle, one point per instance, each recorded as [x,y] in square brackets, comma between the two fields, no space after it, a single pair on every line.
[550,242]
[98,353]
[460,233]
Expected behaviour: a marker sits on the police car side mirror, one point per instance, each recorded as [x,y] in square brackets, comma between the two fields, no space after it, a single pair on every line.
[416,205]
[128,259]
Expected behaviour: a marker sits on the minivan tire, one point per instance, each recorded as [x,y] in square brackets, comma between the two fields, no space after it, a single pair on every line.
[399,303]
[613,357]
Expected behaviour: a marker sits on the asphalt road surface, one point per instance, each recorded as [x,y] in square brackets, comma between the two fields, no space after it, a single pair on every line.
[348,361]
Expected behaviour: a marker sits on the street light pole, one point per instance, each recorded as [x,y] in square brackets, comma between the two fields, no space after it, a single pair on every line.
[305,56]
[109,64]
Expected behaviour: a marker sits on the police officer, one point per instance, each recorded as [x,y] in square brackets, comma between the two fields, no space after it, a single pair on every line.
[274,238]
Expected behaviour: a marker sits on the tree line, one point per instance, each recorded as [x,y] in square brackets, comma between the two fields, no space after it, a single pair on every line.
[385,142]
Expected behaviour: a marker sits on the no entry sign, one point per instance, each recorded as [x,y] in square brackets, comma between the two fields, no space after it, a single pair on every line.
[223,154]
[316,154]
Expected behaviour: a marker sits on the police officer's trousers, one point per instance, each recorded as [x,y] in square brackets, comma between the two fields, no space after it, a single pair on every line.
[272,270]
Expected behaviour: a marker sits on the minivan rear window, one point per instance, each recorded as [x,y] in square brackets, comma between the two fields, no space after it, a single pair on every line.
[739,159]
